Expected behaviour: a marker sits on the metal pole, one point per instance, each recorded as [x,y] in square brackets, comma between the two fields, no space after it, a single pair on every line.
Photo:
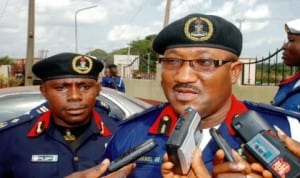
[30,44]
[148,62]
[167,13]
[79,10]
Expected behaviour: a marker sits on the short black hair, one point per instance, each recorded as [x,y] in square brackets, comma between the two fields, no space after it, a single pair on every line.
[111,66]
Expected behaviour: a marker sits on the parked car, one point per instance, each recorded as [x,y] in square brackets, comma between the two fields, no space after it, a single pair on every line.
[15,101]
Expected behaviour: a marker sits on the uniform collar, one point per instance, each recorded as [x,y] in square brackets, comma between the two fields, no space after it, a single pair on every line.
[43,123]
[292,78]
[167,118]
[165,122]
[237,108]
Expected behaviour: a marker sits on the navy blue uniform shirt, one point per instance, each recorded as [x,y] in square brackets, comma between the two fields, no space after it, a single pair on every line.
[32,147]
[288,94]
[114,82]
[149,124]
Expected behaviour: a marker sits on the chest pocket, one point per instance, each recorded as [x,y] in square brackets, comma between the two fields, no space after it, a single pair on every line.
[37,169]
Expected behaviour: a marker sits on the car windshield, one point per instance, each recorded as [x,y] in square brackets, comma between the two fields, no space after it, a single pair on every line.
[15,102]
[10,108]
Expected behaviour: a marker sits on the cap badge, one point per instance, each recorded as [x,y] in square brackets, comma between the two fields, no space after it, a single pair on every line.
[82,64]
[198,29]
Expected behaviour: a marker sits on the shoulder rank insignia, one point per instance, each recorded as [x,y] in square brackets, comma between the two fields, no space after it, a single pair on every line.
[14,122]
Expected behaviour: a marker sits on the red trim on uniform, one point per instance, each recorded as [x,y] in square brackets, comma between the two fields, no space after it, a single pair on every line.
[292,78]
[168,110]
[237,108]
[45,119]
[103,129]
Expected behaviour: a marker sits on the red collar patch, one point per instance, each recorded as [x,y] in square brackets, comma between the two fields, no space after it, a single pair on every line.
[104,131]
[292,78]
[237,108]
[164,126]
[165,122]
[43,123]
[40,125]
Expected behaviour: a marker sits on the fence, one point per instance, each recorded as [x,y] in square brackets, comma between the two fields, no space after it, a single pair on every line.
[267,71]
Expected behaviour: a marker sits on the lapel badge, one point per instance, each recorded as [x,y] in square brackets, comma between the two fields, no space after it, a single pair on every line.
[69,137]
[164,125]
[40,127]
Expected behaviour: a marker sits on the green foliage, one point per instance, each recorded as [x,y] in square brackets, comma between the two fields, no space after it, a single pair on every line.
[272,73]
[6,61]
[99,53]
[141,47]
[9,81]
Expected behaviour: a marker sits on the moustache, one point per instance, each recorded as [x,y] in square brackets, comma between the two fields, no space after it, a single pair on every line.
[187,86]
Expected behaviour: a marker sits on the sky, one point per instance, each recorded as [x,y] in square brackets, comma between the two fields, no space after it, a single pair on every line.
[113,24]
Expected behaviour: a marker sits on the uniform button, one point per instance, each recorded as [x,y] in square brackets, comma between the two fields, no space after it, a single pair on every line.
[75,158]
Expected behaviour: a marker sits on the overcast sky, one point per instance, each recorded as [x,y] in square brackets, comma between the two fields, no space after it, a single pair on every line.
[115,23]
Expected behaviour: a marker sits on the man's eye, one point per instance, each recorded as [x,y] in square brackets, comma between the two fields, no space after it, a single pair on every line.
[60,88]
[173,61]
[85,87]
[204,62]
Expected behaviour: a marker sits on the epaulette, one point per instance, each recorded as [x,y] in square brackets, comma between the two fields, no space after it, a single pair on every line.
[272,109]
[102,105]
[40,109]
[140,115]
[15,122]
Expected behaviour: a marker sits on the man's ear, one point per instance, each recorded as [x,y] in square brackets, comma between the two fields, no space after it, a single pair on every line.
[236,68]
[43,90]
[99,87]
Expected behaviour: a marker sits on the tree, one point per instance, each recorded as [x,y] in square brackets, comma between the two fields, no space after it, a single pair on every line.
[99,53]
[143,48]
[6,61]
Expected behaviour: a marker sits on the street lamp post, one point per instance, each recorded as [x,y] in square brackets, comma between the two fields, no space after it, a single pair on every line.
[79,10]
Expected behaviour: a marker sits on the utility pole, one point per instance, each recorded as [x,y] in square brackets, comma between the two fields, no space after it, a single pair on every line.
[167,13]
[148,63]
[240,21]
[30,44]
[76,12]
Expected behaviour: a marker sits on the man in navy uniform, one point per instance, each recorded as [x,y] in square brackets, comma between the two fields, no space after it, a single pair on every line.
[112,80]
[71,135]
[198,70]
[288,93]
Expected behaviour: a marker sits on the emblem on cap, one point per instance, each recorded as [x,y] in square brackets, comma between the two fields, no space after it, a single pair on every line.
[198,29]
[82,64]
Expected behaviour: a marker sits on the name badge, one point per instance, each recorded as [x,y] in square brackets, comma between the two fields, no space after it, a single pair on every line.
[44,158]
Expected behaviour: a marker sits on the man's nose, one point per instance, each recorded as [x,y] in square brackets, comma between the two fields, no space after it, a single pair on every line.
[185,74]
[74,93]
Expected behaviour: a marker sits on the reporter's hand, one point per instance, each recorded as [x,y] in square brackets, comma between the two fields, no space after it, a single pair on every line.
[237,169]
[291,144]
[100,169]
[198,169]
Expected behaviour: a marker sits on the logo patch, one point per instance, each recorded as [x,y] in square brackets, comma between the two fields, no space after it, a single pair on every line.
[198,29]
[82,64]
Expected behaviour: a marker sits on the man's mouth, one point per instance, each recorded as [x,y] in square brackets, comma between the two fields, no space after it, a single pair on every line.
[185,94]
[76,111]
